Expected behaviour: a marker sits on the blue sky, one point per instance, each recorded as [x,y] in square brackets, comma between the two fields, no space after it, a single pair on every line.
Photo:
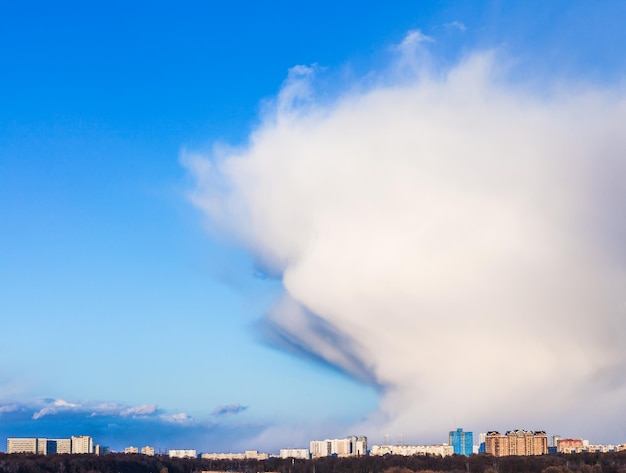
[122,316]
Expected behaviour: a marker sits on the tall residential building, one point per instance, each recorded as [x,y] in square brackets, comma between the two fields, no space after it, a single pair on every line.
[462,442]
[359,445]
[481,442]
[82,444]
[516,442]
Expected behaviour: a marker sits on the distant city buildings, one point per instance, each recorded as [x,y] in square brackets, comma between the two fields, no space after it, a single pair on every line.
[462,442]
[513,442]
[149,451]
[351,446]
[516,442]
[408,450]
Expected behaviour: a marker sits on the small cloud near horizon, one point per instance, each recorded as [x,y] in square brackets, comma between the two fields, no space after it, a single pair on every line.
[228,410]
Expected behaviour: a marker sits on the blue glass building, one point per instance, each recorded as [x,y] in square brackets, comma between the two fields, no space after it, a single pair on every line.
[462,442]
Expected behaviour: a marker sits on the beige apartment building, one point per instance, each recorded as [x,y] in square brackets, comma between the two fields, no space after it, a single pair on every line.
[516,442]
[147,450]
[22,445]
[81,444]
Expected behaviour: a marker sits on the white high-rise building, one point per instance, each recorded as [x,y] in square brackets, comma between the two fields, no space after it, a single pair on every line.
[359,445]
[82,444]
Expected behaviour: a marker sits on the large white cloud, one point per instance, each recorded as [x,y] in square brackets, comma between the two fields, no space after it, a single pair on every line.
[462,235]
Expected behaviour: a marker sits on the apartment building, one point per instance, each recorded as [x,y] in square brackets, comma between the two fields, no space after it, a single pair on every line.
[302,453]
[516,442]
[462,442]
[22,445]
[81,444]
[147,450]
[351,446]
[569,445]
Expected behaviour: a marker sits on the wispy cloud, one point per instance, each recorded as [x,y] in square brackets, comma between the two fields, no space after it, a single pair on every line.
[228,410]
[412,39]
[455,25]
[114,409]
[8,408]
[180,418]
[54,406]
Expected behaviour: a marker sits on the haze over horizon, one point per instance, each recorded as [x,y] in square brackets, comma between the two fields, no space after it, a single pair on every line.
[230,227]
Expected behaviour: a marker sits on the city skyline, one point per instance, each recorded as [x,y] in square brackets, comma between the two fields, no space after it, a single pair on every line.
[512,443]
[236,225]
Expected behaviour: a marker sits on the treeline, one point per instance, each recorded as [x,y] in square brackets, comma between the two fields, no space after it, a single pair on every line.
[120,463]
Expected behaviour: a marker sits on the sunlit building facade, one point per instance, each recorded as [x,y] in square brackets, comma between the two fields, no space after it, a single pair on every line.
[22,445]
[81,444]
[147,450]
[516,442]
